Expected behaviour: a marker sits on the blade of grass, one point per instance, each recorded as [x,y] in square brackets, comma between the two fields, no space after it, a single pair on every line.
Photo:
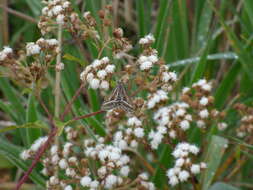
[213,158]
[226,86]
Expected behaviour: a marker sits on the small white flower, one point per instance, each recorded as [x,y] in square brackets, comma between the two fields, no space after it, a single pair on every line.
[94,83]
[203,101]
[133,143]
[183,175]
[173,180]
[24,154]
[222,126]
[179,162]
[110,68]
[105,60]
[63,164]
[203,165]
[101,74]
[94,184]
[96,63]
[54,149]
[124,171]
[70,172]
[104,85]
[200,124]
[86,14]
[133,121]
[7,50]
[193,149]
[153,58]
[195,168]
[57,9]
[110,181]
[143,176]
[53,180]
[184,125]
[139,132]
[180,112]
[207,87]
[32,49]
[146,65]
[85,181]
[60,19]
[204,113]
[38,143]
[89,77]
[69,187]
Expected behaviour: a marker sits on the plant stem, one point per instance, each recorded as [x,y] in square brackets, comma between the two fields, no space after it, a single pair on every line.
[68,106]
[38,156]
[58,75]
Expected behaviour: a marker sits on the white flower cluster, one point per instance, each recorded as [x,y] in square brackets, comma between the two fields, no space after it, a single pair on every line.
[148,39]
[5,53]
[26,154]
[112,160]
[184,168]
[168,76]
[156,98]
[204,85]
[71,134]
[145,183]
[35,48]
[129,137]
[56,9]
[146,61]
[97,74]
[169,119]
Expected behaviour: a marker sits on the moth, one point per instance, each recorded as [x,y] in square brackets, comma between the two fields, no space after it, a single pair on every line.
[118,99]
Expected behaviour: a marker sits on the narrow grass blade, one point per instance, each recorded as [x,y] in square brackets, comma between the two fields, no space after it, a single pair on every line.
[32,116]
[159,177]
[213,158]
[161,25]
[226,85]
[141,17]
[222,186]
[32,125]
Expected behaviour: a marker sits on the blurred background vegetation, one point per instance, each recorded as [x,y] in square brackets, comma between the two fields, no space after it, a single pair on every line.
[198,38]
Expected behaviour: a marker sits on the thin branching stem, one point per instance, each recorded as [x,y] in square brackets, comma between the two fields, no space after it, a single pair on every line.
[70,103]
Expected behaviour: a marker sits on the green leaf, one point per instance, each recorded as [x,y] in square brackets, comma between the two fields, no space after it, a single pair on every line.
[213,158]
[12,152]
[226,85]
[141,17]
[31,117]
[73,58]
[37,125]
[159,177]
[222,186]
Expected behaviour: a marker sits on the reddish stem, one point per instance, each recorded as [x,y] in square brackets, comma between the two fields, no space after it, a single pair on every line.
[38,155]
[68,106]
[87,115]
[44,147]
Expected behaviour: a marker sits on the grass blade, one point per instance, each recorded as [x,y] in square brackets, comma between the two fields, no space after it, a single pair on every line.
[213,158]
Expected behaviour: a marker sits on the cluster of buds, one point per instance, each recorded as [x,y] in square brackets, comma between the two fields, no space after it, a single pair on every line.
[172,121]
[184,168]
[112,161]
[6,55]
[166,78]
[246,122]
[98,74]
[48,46]
[130,136]
[156,99]
[199,98]
[121,44]
[29,153]
[149,55]
[55,12]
